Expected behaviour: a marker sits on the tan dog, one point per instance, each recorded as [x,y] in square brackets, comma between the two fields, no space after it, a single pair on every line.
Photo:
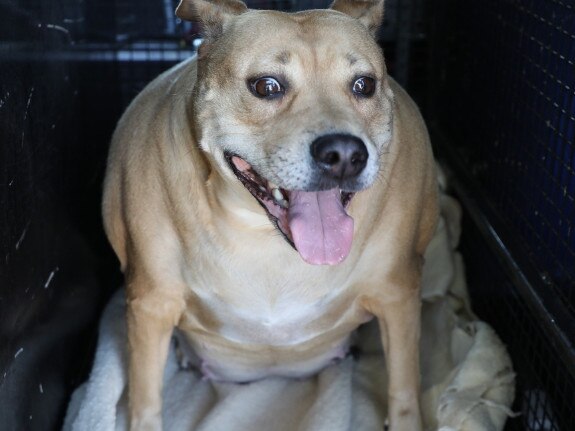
[269,198]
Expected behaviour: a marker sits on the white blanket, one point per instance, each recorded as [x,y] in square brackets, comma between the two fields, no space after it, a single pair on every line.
[467,377]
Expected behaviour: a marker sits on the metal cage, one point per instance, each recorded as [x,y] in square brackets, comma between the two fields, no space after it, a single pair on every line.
[496,83]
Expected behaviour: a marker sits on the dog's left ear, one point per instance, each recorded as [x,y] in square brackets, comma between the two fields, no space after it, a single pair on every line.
[368,12]
[212,14]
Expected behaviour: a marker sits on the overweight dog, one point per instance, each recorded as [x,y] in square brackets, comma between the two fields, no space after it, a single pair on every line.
[269,197]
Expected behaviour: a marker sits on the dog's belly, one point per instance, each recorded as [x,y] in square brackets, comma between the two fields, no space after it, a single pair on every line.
[220,361]
[294,341]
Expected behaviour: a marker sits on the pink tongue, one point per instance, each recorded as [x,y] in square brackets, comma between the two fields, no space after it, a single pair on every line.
[321,229]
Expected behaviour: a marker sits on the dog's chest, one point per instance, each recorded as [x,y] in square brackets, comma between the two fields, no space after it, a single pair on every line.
[270,306]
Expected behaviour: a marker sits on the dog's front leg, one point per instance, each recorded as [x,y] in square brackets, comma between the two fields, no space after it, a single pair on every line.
[399,323]
[151,318]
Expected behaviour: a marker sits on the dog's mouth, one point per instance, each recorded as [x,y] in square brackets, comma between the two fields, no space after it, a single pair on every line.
[315,223]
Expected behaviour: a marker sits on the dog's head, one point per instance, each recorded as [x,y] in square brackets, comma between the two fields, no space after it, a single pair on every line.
[296,107]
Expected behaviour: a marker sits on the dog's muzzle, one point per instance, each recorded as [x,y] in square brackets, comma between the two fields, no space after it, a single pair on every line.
[314,222]
[314,219]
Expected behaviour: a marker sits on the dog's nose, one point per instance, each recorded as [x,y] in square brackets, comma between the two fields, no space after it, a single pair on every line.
[340,156]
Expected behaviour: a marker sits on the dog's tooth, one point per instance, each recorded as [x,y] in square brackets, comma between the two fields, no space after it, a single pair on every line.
[277,194]
[272,186]
[279,198]
[263,189]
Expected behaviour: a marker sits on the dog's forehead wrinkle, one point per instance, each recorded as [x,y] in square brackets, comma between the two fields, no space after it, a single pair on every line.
[351,58]
[283,57]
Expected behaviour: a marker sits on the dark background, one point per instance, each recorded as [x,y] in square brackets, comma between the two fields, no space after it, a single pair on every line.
[495,80]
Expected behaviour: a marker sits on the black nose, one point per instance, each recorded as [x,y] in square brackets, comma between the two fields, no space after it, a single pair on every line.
[340,156]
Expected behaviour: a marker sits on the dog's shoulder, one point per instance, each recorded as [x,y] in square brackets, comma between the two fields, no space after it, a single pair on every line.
[168,91]
[153,115]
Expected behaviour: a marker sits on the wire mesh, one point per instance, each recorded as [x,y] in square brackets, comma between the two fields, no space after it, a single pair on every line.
[508,86]
[544,390]
[503,101]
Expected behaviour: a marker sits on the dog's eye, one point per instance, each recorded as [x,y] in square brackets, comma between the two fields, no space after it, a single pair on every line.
[266,87]
[363,86]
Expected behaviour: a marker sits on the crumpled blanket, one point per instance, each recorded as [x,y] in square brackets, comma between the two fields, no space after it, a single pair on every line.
[467,376]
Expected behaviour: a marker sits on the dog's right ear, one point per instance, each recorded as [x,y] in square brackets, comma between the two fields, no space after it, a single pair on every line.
[212,14]
[368,12]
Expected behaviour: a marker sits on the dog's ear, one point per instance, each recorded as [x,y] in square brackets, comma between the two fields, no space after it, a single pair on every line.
[368,12]
[212,14]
